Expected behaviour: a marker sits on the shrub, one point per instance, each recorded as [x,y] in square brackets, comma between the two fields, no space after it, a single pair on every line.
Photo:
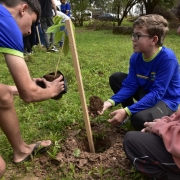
[166,13]
[100,25]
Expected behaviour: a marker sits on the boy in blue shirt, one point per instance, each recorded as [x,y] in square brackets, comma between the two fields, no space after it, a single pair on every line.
[155,151]
[65,7]
[153,79]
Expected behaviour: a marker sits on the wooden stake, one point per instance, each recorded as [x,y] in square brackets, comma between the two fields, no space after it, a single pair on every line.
[38,36]
[80,84]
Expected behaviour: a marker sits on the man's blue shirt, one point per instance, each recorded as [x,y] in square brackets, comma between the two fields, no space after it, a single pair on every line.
[65,7]
[11,40]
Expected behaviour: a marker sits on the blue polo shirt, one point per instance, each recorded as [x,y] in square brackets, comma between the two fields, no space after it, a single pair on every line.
[65,7]
[11,39]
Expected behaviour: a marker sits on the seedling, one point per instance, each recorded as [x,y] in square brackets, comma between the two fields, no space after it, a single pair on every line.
[101,171]
[58,28]
[53,153]
[60,34]
[76,152]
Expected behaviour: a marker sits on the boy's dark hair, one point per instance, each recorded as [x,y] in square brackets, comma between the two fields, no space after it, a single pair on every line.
[155,24]
[33,4]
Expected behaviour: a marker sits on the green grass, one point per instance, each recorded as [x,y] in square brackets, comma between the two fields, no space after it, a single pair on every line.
[98,52]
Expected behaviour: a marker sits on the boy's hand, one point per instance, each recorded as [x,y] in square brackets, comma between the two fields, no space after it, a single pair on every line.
[56,86]
[107,105]
[148,126]
[119,116]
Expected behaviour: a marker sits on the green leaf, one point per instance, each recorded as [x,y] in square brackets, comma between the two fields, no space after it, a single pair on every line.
[58,36]
[106,171]
[76,152]
[53,29]
[66,45]
[57,20]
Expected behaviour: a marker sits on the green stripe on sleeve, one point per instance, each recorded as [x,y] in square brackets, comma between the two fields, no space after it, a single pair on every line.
[128,111]
[111,101]
[11,51]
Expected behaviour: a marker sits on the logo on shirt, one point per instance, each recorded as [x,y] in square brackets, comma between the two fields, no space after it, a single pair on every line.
[153,75]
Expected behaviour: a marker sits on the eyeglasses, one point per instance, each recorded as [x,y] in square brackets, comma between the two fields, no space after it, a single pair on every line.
[137,36]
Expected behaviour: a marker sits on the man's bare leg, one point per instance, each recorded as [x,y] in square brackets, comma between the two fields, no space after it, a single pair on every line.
[2,167]
[10,125]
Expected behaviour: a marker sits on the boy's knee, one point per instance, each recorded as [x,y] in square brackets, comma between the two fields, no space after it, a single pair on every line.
[129,143]
[6,96]
[128,138]
[138,121]
[2,167]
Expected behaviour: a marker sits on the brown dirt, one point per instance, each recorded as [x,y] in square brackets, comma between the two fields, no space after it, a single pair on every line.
[95,105]
[73,160]
[109,162]
[52,76]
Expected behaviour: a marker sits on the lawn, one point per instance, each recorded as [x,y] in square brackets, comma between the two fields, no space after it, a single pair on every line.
[100,53]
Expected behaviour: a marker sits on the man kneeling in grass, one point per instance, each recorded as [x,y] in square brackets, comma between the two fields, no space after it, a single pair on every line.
[16,18]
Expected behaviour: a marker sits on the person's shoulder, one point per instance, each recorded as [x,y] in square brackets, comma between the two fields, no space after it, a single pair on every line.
[4,11]
[67,4]
[167,56]
[11,35]
[168,52]
[167,49]
[136,55]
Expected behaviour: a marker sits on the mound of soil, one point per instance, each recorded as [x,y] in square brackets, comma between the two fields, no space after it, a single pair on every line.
[109,155]
[95,105]
[73,157]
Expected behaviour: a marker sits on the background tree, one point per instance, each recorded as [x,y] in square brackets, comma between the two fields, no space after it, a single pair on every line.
[150,5]
[78,8]
[124,6]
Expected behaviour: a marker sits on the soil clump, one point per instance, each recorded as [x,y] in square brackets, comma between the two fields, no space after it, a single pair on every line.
[95,105]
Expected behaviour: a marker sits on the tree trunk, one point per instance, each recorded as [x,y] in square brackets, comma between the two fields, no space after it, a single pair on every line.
[150,5]
[81,20]
[118,12]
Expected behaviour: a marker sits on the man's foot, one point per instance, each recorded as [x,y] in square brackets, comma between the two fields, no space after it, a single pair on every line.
[38,148]
[28,53]
[54,49]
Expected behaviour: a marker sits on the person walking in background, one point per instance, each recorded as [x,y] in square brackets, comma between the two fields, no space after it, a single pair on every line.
[46,22]
[27,46]
[153,79]
[65,7]
[30,41]
[16,18]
